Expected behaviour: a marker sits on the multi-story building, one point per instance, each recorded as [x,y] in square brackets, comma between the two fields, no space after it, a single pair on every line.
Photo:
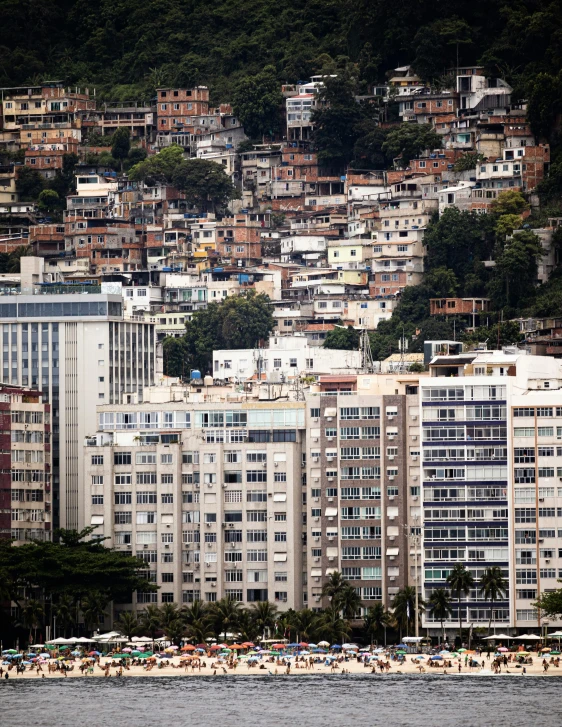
[25,481]
[490,474]
[362,485]
[80,352]
[206,490]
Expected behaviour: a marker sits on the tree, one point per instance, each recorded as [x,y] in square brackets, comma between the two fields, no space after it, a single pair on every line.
[257,101]
[64,611]
[334,586]
[127,624]
[376,621]
[331,626]
[516,269]
[404,607]
[32,614]
[151,621]
[93,607]
[206,185]
[236,322]
[48,200]
[169,613]
[509,202]
[468,161]
[121,144]
[461,582]
[29,184]
[159,168]
[174,355]
[550,603]
[305,622]
[342,338]
[505,226]
[340,120]
[440,607]
[176,630]
[263,615]
[437,46]
[348,601]
[224,615]
[493,587]
[407,141]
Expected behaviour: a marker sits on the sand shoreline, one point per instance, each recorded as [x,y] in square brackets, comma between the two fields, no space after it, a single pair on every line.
[350,668]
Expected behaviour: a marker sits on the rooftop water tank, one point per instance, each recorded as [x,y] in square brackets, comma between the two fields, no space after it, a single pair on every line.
[196,374]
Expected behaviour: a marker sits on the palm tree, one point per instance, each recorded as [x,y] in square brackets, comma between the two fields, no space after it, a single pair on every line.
[286,624]
[334,585]
[31,616]
[305,623]
[404,605]
[93,608]
[175,630]
[224,614]
[128,624]
[169,612]
[264,614]
[331,626]
[151,621]
[64,611]
[440,607]
[461,581]
[493,586]
[247,628]
[348,601]
[376,620]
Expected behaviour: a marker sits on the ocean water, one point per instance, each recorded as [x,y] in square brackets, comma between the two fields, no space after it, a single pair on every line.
[285,701]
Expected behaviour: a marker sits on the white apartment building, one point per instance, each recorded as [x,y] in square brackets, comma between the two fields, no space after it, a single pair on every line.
[206,489]
[491,452]
[286,358]
[78,350]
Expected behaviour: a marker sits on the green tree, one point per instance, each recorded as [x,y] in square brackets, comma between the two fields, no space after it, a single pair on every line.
[437,46]
[342,338]
[224,616]
[468,161]
[305,624]
[151,621]
[334,586]
[237,322]
[493,587]
[505,226]
[461,582]
[509,202]
[332,627]
[159,168]
[206,185]
[169,612]
[440,607]
[176,630]
[550,603]
[29,184]
[377,620]
[257,101]
[127,624]
[93,607]
[516,269]
[121,145]
[64,611]
[407,142]
[48,200]
[32,615]
[263,615]
[174,354]
[404,608]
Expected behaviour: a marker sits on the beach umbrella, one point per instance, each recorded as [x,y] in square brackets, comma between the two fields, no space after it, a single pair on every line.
[323,643]
[27,663]
[365,648]
[547,648]
[305,653]
[523,653]
[94,653]
[127,650]
[461,651]
[248,644]
[9,651]
[189,647]
[76,653]
[554,653]
[30,653]
[275,653]
[401,651]
[215,647]
[280,646]
[335,646]
[236,646]
[420,657]
[503,649]
[436,658]
[290,646]
[304,644]
[312,646]
[201,646]
[201,651]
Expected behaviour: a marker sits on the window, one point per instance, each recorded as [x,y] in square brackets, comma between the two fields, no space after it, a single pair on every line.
[166,458]
[123,498]
[256,476]
[280,477]
[146,517]
[123,518]
[145,458]
[280,537]
[120,458]
[97,499]
[146,478]
[167,498]
[97,459]
[122,479]
[97,479]
[167,479]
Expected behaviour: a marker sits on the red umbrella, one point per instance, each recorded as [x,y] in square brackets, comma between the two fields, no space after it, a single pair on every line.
[278,646]
[216,647]
[303,643]
[248,645]
[188,647]
[201,646]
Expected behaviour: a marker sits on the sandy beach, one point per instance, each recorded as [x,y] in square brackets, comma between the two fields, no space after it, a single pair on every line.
[209,667]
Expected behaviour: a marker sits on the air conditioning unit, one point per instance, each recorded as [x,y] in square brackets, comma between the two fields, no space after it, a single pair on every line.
[391,436]
[329,439]
[392,538]
[391,517]
[547,560]
[317,479]
[208,525]
[264,464]
[225,484]
[230,525]
[414,458]
[331,537]
[213,584]
[392,578]
[414,437]
[314,439]
[331,519]
[167,546]
[276,464]
[316,459]
[331,557]
[390,477]
[317,560]
[415,498]
[541,499]
[316,499]
[317,579]
[330,499]
[196,566]
[392,557]
[391,497]
[415,417]
[317,599]
[208,565]
[209,545]
[317,540]
[329,459]
[330,479]
[209,484]
[415,478]
[232,545]
[316,519]
[391,457]
[145,546]
[329,419]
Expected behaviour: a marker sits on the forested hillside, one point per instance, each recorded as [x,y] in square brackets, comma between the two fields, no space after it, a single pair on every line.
[127,48]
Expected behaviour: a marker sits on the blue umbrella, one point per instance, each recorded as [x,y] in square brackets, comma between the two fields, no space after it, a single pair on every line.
[201,650]
[335,646]
[401,646]
[74,653]
[30,653]
[319,651]
[436,658]
[29,663]
[292,646]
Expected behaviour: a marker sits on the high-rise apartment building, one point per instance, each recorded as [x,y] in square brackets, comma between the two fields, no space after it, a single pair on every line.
[25,476]
[78,350]
[207,491]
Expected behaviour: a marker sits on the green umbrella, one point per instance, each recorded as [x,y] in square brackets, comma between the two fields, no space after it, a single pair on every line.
[461,651]
[135,653]
[275,653]
[11,651]
[121,656]
[401,651]
[555,653]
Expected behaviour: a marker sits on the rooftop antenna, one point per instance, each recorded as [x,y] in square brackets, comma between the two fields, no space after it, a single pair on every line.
[367,365]
[402,347]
